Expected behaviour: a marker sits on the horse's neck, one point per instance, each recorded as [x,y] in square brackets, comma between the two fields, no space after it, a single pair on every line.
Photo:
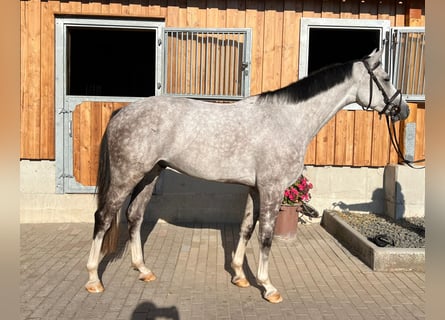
[317,111]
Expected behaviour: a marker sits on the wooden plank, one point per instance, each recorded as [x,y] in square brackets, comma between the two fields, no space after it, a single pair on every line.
[95,138]
[182,14]
[290,48]
[312,9]
[344,138]
[386,11]
[105,6]
[393,156]
[135,8]
[414,16]
[155,8]
[236,14]
[72,6]
[330,9]
[30,103]
[91,7]
[47,79]
[349,9]
[362,138]
[195,19]
[76,142]
[325,144]
[380,142]
[212,13]
[24,151]
[420,134]
[400,13]
[310,158]
[85,142]
[255,20]
[115,8]
[172,16]
[368,10]
[125,9]
[273,35]
[89,123]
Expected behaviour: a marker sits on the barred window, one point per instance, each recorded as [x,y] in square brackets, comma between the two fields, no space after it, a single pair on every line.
[408,62]
[207,63]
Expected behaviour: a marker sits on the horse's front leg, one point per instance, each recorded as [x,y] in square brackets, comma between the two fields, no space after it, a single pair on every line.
[247,227]
[268,212]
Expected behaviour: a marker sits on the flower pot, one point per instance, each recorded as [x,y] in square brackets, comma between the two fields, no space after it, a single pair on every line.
[287,222]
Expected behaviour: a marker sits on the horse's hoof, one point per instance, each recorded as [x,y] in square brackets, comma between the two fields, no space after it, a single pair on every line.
[241,282]
[94,287]
[274,297]
[147,277]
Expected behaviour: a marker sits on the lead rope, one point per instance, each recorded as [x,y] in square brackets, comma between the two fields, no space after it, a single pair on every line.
[396,145]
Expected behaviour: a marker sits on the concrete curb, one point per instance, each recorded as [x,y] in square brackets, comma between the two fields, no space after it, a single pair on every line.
[377,258]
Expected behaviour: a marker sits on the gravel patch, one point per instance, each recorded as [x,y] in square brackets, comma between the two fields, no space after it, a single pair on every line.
[402,233]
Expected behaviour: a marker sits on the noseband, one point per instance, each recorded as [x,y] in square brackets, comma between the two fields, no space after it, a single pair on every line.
[390,108]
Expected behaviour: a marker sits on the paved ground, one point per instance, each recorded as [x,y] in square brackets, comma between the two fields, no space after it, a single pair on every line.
[317,277]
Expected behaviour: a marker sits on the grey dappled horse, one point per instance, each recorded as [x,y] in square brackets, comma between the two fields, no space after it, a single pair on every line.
[259,142]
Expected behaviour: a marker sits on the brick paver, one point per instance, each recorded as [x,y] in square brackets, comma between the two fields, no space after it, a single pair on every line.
[317,277]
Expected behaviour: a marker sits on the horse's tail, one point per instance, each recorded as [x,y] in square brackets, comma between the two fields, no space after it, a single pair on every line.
[111,236]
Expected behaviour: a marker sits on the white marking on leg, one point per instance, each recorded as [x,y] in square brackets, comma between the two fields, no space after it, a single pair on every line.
[237,264]
[271,294]
[137,258]
[94,284]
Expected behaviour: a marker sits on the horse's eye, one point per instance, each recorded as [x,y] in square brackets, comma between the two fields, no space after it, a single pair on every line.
[387,79]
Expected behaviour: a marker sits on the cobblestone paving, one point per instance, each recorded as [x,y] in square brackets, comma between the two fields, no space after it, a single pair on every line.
[317,277]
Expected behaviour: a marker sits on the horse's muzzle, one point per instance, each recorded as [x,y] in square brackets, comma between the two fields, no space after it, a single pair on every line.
[400,112]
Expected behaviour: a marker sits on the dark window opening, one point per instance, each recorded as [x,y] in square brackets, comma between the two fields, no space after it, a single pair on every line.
[334,45]
[111,62]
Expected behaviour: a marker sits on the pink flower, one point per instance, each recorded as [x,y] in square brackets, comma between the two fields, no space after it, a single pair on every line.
[297,192]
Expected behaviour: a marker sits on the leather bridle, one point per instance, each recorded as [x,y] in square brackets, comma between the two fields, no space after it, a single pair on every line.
[391,109]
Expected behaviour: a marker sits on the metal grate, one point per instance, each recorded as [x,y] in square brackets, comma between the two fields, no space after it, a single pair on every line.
[408,62]
[207,63]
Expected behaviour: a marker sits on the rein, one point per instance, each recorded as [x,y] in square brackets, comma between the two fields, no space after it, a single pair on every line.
[395,143]
[393,111]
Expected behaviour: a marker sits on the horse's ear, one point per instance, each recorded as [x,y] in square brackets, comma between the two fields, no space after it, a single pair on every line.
[374,58]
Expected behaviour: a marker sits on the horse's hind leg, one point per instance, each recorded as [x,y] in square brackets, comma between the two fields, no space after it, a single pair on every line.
[135,214]
[247,227]
[106,220]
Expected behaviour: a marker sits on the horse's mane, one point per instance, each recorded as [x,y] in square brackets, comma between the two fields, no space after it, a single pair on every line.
[314,84]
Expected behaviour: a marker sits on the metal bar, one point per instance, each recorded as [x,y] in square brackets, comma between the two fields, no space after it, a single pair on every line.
[237,65]
[404,62]
[201,65]
[179,57]
[422,59]
[232,70]
[212,65]
[415,79]
[187,73]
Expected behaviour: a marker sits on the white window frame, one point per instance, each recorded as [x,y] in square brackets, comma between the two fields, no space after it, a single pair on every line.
[65,104]
[331,23]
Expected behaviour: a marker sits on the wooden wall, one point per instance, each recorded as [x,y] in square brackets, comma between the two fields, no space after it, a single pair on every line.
[352,138]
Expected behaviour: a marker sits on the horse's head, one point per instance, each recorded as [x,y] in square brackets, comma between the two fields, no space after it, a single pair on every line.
[376,90]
